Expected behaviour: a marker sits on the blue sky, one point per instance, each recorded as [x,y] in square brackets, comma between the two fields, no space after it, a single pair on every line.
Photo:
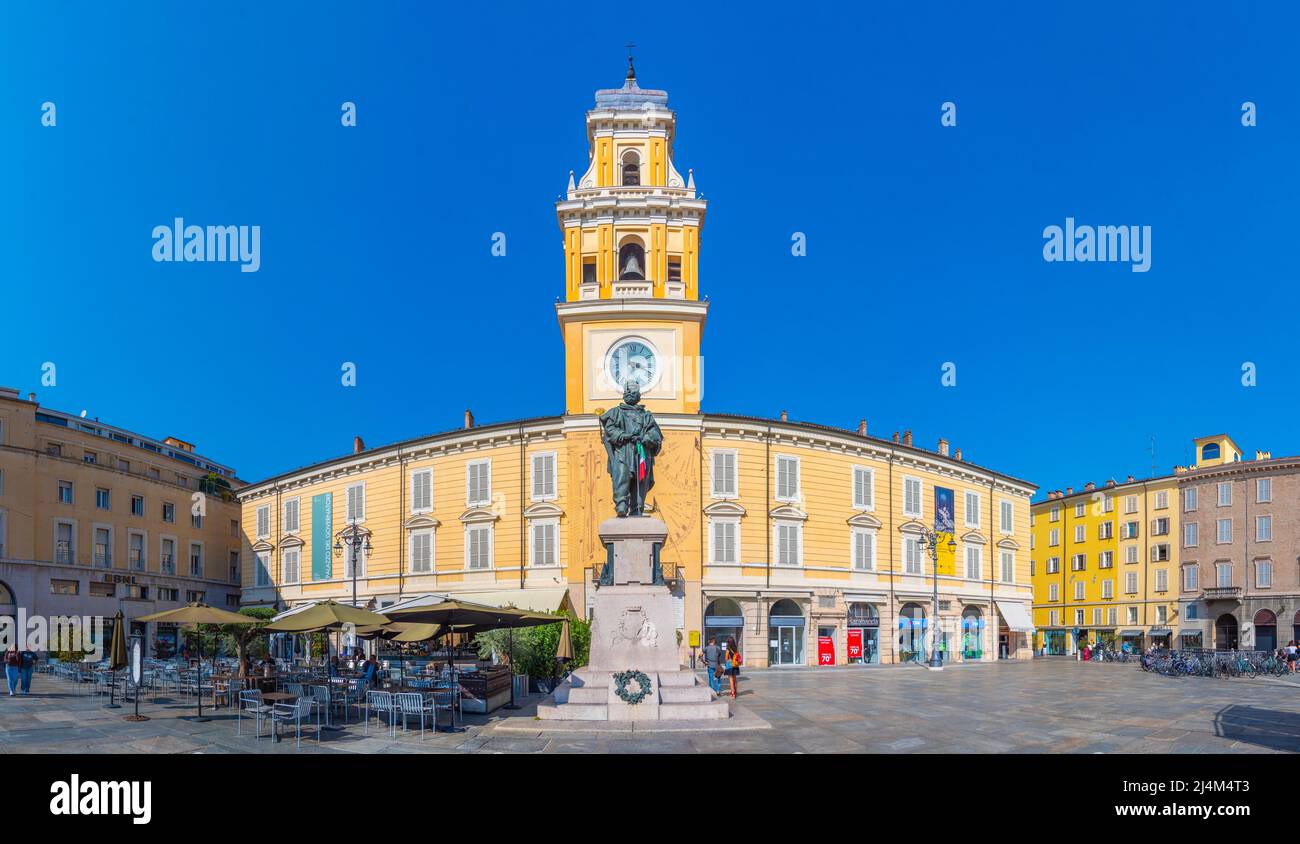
[924,242]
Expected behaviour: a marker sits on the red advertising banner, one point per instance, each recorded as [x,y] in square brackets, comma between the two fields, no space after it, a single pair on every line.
[855,643]
[825,650]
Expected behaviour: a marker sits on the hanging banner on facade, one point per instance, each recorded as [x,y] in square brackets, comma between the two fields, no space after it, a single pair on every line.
[854,645]
[825,650]
[944,527]
[322,536]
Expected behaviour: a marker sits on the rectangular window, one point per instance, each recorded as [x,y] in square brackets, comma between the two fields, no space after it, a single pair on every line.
[103,499]
[974,562]
[1162,580]
[864,488]
[356,509]
[137,505]
[1131,583]
[1112,616]
[478,547]
[724,541]
[1008,566]
[787,478]
[196,520]
[1223,572]
[264,521]
[544,476]
[103,547]
[1263,574]
[1053,537]
[169,512]
[1159,527]
[912,556]
[90,457]
[1078,590]
[1096,616]
[864,549]
[972,509]
[65,492]
[1162,499]
[1106,530]
[1263,528]
[1129,531]
[1224,535]
[422,491]
[1131,554]
[1191,578]
[1053,592]
[1108,589]
[1054,515]
[167,557]
[291,515]
[788,539]
[196,560]
[478,483]
[135,551]
[290,561]
[1106,559]
[1225,493]
[1191,534]
[1160,553]
[1130,504]
[1162,614]
[1263,490]
[103,590]
[544,543]
[1052,618]
[1080,533]
[65,587]
[1079,562]
[422,551]
[1053,565]
[1132,615]
[1080,509]
[1006,519]
[1189,500]
[234,528]
[724,474]
[263,573]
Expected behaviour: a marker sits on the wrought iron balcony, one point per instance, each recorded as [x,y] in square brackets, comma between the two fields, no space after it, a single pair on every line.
[1222,593]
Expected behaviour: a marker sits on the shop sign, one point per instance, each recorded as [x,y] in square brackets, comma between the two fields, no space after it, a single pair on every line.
[825,650]
[855,643]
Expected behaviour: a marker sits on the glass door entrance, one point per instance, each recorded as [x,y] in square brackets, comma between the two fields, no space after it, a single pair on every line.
[785,646]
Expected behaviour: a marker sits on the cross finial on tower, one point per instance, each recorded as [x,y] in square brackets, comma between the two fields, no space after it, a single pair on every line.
[631,71]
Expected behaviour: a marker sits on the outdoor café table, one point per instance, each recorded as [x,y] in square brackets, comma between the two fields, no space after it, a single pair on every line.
[273,698]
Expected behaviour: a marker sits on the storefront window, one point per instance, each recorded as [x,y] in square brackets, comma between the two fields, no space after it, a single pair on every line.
[863,634]
[911,633]
[785,634]
[723,621]
[972,634]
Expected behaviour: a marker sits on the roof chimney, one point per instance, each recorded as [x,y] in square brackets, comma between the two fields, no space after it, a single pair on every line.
[862,428]
[31,397]
[1089,486]
[958,455]
[785,416]
[895,436]
[1069,490]
[943,447]
[357,445]
[1110,483]
[907,438]
[469,418]
[1130,480]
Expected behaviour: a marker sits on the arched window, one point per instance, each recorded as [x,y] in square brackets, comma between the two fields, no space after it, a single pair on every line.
[1210,451]
[723,621]
[911,633]
[631,261]
[631,168]
[1265,630]
[1225,632]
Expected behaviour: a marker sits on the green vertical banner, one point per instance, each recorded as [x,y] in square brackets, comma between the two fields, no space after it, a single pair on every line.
[322,536]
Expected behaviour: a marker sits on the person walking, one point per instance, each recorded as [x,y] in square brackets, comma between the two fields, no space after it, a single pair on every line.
[713,664]
[25,671]
[1292,654]
[732,660]
[13,667]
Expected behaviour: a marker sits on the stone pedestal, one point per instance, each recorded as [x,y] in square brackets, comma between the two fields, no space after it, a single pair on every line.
[633,628]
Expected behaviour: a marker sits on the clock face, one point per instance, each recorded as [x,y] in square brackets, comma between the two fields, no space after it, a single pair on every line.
[632,359]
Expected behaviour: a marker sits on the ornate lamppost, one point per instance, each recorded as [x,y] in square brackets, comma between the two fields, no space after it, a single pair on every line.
[355,538]
[930,541]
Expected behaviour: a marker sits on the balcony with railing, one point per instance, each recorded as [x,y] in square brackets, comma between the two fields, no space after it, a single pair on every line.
[103,557]
[63,554]
[167,564]
[1222,593]
[137,561]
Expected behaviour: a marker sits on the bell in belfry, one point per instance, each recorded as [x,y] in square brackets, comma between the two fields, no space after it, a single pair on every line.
[632,263]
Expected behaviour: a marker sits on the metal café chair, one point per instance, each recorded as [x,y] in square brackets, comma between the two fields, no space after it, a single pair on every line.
[381,703]
[414,703]
[250,703]
[445,698]
[295,713]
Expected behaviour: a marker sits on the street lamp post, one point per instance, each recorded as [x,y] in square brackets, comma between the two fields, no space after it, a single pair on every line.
[355,540]
[930,541]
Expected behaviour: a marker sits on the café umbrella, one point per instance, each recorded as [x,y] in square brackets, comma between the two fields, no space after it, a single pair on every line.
[401,632]
[564,648]
[198,614]
[116,656]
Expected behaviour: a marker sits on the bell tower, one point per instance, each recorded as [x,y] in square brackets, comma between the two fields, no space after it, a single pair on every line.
[631,228]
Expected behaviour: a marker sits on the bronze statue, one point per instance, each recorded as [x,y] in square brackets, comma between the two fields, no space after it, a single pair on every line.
[632,440]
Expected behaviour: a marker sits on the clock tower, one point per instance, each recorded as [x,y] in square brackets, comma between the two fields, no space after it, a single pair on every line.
[631,228]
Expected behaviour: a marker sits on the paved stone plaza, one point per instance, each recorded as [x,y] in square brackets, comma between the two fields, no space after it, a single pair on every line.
[1051,705]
